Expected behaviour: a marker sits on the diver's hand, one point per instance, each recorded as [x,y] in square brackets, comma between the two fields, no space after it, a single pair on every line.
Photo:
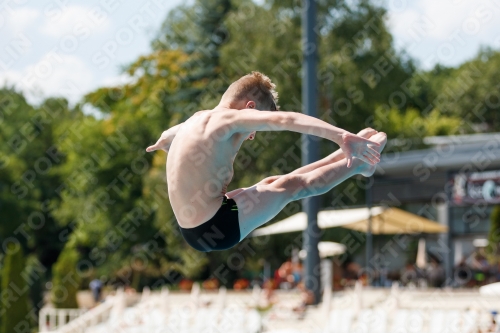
[163,142]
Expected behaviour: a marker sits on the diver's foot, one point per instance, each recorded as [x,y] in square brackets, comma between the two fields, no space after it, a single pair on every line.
[366,169]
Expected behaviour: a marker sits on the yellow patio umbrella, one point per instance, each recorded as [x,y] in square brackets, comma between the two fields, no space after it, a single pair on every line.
[385,220]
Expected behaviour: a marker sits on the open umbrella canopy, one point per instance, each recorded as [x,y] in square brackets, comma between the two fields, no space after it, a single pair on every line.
[326,249]
[384,221]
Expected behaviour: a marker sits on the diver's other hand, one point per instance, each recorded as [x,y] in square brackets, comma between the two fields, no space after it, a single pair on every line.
[163,143]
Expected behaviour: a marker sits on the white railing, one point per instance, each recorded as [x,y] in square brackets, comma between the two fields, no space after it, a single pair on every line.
[97,315]
[156,310]
[49,319]
[408,320]
[59,320]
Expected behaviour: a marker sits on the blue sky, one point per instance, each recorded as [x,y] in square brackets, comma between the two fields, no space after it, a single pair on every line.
[70,47]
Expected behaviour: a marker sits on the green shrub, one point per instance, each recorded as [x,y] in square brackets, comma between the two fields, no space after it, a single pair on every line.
[65,279]
[15,308]
[493,249]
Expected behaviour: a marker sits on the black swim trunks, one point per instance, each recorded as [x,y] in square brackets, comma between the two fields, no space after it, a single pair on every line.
[221,232]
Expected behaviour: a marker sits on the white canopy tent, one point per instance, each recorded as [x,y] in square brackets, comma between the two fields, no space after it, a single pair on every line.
[384,221]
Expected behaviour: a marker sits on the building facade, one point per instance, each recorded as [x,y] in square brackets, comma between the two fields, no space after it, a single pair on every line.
[455,182]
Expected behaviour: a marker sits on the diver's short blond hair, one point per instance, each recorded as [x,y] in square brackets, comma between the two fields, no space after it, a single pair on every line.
[254,86]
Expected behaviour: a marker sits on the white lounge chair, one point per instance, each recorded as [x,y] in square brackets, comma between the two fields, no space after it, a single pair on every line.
[399,321]
[340,321]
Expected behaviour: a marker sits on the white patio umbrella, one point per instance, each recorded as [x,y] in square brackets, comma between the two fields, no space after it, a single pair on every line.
[326,249]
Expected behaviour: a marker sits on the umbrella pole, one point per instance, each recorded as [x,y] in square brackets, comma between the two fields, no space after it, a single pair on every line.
[369,236]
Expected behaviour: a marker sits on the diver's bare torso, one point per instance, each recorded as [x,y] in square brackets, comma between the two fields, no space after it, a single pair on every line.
[200,166]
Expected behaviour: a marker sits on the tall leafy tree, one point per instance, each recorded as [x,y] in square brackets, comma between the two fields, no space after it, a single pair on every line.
[118,205]
[493,248]
[66,279]
[15,309]
[29,157]
[471,91]
[199,31]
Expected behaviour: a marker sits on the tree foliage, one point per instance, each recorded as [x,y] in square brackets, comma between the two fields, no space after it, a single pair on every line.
[470,92]
[29,180]
[124,219]
[15,309]
[493,248]
[66,279]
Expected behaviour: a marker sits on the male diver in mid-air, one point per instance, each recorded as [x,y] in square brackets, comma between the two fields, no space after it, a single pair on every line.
[200,159]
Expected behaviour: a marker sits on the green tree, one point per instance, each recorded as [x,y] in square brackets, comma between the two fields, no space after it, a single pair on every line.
[199,32]
[15,309]
[407,129]
[493,248]
[29,182]
[169,85]
[471,91]
[66,279]
[118,207]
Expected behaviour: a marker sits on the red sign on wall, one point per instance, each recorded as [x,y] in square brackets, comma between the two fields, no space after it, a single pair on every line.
[476,187]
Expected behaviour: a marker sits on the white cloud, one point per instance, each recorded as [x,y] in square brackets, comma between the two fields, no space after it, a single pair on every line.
[78,20]
[439,20]
[19,19]
[54,75]
[445,16]
[400,22]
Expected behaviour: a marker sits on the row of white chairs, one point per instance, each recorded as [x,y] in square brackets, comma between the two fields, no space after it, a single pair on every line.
[406,321]
[183,319]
